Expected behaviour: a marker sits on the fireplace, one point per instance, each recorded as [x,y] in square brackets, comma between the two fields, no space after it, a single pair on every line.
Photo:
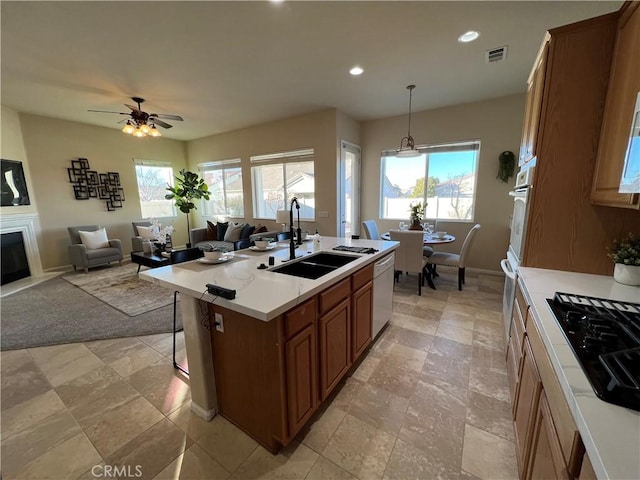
[13,258]
[20,254]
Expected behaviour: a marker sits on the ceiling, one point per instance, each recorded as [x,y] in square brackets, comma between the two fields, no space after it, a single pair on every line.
[228,65]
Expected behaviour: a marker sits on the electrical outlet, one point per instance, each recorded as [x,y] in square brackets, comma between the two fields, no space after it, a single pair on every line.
[219,322]
[323,214]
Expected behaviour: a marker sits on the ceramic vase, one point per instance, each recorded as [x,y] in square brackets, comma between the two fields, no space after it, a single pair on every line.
[415,225]
[627,274]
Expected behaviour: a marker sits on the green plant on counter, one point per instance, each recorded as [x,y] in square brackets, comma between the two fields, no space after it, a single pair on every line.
[626,251]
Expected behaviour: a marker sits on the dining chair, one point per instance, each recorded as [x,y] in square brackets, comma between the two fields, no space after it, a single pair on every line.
[179,256]
[409,255]
[452,259]
[370,230]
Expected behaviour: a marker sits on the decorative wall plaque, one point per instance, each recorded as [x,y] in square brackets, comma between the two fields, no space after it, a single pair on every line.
[91,184]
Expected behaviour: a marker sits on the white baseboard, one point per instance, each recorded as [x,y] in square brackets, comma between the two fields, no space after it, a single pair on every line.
[203,413]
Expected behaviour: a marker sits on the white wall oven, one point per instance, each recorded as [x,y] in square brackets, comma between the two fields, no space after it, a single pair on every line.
[520,194]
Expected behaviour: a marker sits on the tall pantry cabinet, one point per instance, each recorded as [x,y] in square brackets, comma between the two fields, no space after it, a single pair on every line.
[570,78]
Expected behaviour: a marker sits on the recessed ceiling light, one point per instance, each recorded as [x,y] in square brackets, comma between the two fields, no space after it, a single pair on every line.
[469,36]
[356,71]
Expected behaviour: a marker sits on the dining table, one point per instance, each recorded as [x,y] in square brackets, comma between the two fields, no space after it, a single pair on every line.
[428,238]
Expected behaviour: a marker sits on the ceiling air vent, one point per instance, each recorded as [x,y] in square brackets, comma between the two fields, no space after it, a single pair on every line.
[496,54]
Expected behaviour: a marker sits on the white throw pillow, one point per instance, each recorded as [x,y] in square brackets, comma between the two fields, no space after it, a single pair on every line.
[148,233]
[233,232]
[94,240]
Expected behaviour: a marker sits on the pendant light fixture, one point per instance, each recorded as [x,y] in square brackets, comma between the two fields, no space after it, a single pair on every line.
[407,145]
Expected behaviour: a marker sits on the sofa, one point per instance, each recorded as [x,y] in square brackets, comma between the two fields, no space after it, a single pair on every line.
[203,238]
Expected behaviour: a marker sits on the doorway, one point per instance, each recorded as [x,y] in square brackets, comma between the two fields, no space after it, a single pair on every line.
[349,190]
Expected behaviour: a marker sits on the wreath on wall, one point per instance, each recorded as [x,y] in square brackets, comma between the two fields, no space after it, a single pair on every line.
[506,166]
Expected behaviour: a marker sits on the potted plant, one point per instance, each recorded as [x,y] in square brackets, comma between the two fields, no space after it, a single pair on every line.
[189,187]
[626,255]
[417,212]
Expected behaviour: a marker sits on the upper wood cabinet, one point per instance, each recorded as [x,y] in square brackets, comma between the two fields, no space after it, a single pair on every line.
[565,231]
[535,89]
[624,85]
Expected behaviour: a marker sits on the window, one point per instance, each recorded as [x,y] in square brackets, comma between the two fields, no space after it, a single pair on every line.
[443,176]
[278,177]
[153,178]
[224,179]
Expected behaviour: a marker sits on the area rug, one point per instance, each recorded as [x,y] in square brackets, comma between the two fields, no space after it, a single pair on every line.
[55,312]
[121,288]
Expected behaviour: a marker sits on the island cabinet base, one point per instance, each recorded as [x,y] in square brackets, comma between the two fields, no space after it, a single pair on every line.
[248,364]
[272,376]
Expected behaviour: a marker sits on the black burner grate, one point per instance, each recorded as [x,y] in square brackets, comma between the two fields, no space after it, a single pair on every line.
[605,337]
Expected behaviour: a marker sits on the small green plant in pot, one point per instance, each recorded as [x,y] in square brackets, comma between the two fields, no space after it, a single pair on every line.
[626,255]
[416,215]
[189,187]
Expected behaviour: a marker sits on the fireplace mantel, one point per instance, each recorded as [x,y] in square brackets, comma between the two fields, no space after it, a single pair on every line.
[28,224]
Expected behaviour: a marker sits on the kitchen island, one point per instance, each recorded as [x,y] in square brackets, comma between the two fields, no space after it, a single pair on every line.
[269,357]
[610,433]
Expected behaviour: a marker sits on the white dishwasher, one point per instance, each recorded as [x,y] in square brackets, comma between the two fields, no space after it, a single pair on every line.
[382,292]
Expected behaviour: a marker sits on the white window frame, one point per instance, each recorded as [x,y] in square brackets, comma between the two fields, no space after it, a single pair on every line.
[155,163]
[221,165]
[281,158]
[463,145]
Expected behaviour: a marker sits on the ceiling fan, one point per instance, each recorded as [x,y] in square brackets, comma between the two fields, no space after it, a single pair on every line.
[140,123]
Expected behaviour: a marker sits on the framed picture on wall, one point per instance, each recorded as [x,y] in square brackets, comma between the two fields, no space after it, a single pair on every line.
[14,185]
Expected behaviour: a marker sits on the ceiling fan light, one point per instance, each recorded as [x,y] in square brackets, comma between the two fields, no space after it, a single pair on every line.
[139,133]
[128,128]
[154,132]
[145,128]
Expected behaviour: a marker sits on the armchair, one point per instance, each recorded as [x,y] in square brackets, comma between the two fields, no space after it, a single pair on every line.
[84,257]
[136,240]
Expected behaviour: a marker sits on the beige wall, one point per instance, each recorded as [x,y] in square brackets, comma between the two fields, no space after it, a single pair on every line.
[315,130]
[47,146]
[51,144]
[498,124]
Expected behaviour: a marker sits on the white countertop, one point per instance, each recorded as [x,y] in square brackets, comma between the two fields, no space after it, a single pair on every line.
[611,434]
[262,294]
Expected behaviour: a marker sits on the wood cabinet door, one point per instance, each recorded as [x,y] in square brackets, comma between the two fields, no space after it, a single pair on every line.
[624,85]
[335,346]
[533,106]
[513,364]
[586,471]
[527,396]
[302,378]
[545,460]
[362,315]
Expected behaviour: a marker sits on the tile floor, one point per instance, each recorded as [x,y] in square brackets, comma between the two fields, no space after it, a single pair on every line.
[429,401]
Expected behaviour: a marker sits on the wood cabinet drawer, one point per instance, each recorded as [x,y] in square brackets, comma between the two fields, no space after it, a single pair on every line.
[517,325]
[299,317]
[565,426]
[522,303]
[334,295]
[361,277]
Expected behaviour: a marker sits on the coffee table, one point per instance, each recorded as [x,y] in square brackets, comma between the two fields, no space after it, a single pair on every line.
[150,260]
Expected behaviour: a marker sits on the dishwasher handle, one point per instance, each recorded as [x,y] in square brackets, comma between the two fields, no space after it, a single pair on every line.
[385,263]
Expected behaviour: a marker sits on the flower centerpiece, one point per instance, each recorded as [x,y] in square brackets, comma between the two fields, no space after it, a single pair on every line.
[626,255]
[416,214]
[161,234]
